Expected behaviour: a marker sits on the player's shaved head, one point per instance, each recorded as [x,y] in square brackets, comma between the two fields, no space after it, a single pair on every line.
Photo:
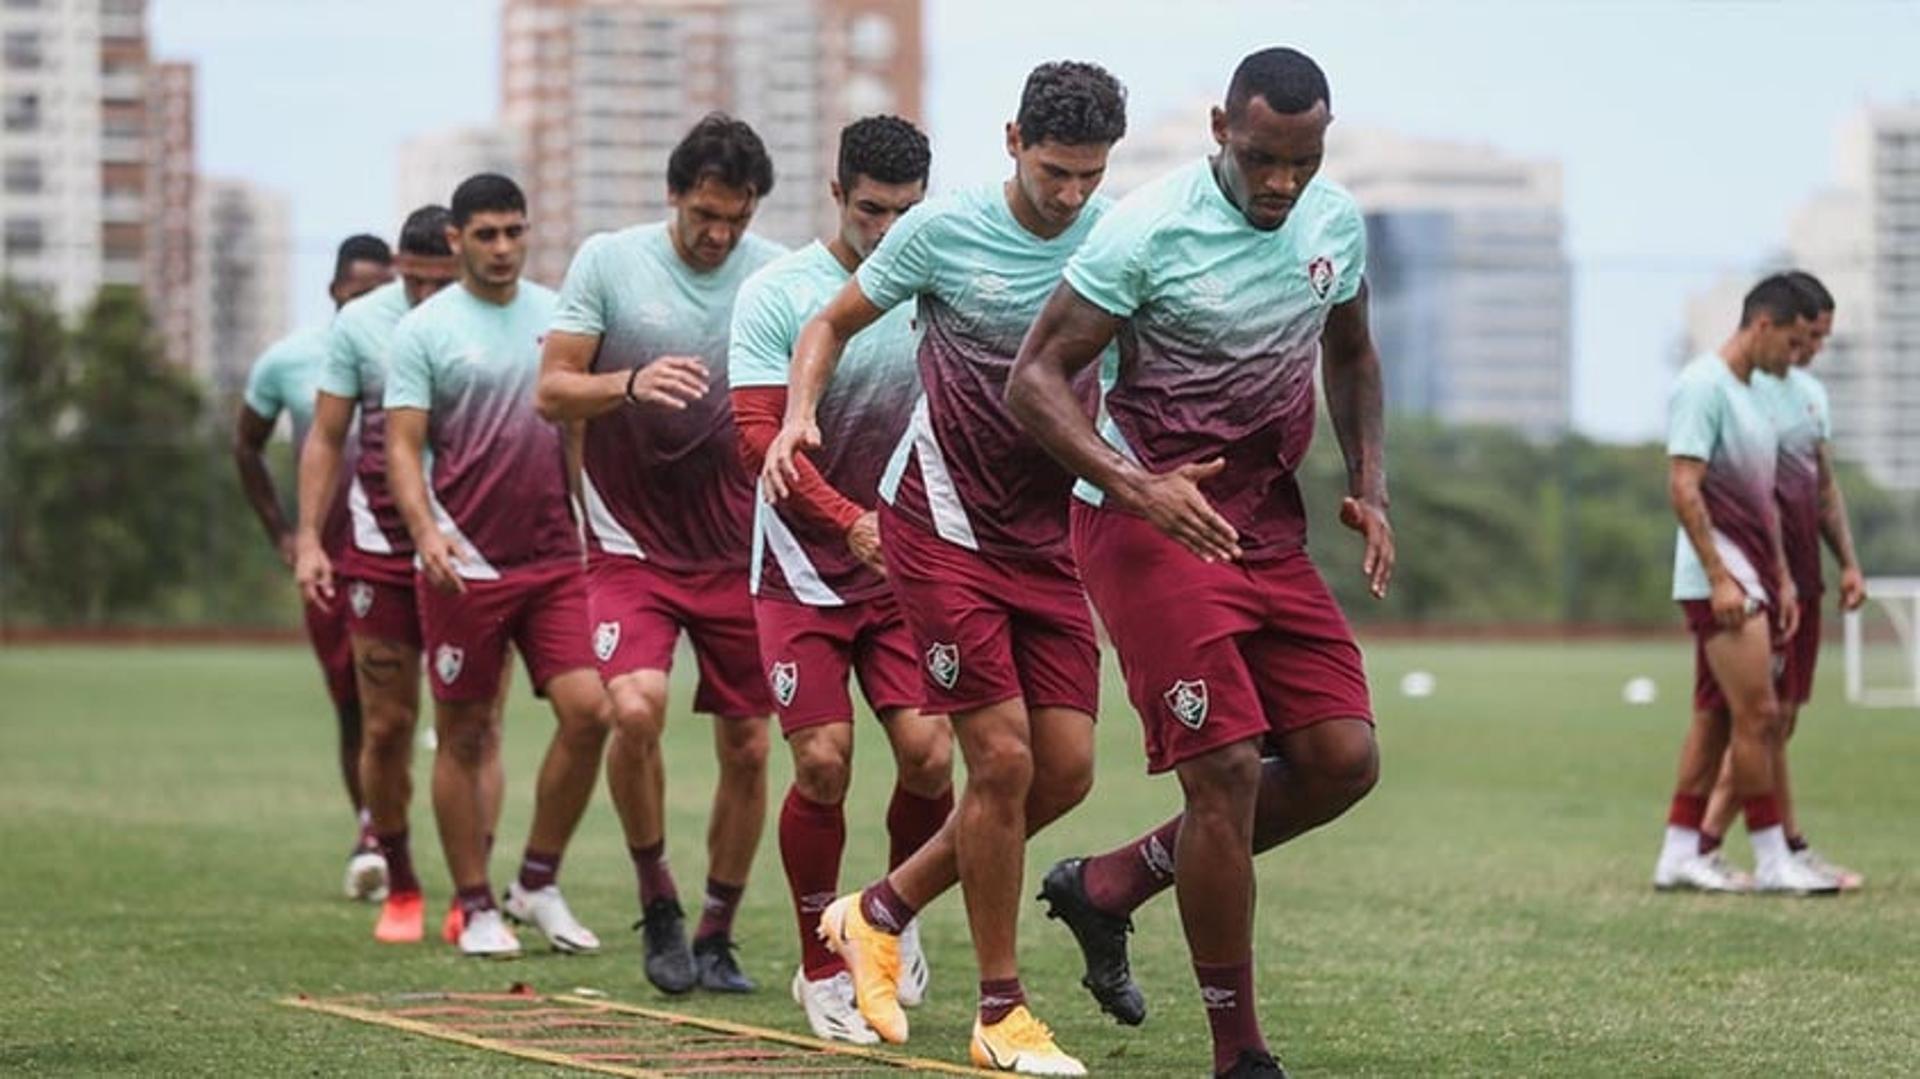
[360,248]
[1286,79]
[1812,286]
[425,261]
[1779,300]
[425,232]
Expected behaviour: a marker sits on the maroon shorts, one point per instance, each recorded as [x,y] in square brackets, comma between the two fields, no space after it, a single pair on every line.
[810,651]
[380,610]
[542,609]
[1706,690]
[638,610]
[327,632]
[987,628]
[1803,654]
[1217,653]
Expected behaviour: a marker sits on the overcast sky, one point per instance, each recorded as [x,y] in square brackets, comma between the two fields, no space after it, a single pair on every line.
[1687,132]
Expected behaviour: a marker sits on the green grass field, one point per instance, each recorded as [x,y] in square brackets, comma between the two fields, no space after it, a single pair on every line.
[171,837]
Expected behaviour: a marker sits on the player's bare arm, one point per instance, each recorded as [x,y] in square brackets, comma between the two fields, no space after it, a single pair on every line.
[1070,334]
[1350,369]
[319,477]
[815,355]
[250,434]
[1787,621]
[407,480]
[1839,534]
[570,390]
[1728,599]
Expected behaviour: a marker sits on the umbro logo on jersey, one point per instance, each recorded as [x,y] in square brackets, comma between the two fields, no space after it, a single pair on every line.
[1217,998]
[360,598]
[447,661]
[943,663]
[1188,702]
[1320,277]
[786,679]
[606,638]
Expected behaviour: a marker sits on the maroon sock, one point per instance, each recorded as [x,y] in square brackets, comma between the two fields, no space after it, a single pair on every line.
[400,877]
[1710,842]
[912,820]
[474,900]
[884,908]
[1227,991]
[998,998]
[1763,812]
[1122,879]
[538,869]
[1796,843]
[716,914]
[812,837]
[1687,810]
[650,867]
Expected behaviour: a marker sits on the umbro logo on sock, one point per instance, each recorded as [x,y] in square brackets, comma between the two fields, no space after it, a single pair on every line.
[1217,998]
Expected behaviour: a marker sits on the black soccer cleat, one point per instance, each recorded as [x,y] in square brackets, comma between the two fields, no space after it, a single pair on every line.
[1254,1064]
[663,930]
[1102,938]
[719,971]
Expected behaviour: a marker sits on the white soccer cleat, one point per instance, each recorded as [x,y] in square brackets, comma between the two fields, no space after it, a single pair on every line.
[913,967]
[1020,1044]
[1792,876]
[547,911]
[1847,879]
[366,878]
[486,936]
[830,1009]
[1700,873]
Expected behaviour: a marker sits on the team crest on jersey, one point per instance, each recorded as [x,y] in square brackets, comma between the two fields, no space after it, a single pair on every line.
[360,598]
[447,661]
[1320,277]
[1210,293]
[943,663]
[786,679]
[1188,702]
[606,638]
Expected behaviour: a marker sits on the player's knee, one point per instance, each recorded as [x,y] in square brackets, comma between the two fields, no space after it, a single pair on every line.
[1221,784]
[386,729]
[469,744]
[1352,769]
[639,716]
[1763,718]
[1000,768]
[1065,782]
[926,766]
[822,774]
[743,749]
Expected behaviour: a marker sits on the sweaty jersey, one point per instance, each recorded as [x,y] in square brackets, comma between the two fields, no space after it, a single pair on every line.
[356,369]
[661,484]
[1221,337]
[965,470]
[861,417]
[284,379]
[1716,418]
[498,482]
[1802,420]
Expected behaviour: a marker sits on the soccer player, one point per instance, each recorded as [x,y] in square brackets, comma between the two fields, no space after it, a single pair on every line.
[283,380]
[1811,508]
[638,356]
[499,558]
[973,531]
[383,626]
[1732,580]
[1225,282]
[821,597]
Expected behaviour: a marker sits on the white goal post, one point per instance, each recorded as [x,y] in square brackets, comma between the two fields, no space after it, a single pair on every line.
[1892,642]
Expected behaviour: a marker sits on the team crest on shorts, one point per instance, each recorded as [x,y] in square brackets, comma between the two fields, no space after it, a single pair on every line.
[1188,702]
[447,661]
[943,663]
[360,598]
[606,638]
[1320,276]
[786,679]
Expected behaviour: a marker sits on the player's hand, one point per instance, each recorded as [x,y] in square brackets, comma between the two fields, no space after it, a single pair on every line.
[671,382]
[287,549]
[863,539]
[1853,588]
[1788,620]
[1370,520]
[313,571]
[1172,502]
[780,473]
[439,559]
[1729,602]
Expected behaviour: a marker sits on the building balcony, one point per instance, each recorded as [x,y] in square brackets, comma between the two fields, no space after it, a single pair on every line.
[123,86]
[123,150]
[122,271]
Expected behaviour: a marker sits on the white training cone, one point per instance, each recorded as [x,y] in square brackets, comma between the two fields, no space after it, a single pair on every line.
[1417,684]
[1640,690]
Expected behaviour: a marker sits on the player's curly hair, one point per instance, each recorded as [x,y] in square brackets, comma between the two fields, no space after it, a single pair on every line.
[883,148]
[1073,103]
[726,149]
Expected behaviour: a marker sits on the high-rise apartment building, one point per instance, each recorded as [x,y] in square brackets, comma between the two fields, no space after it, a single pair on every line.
[169,271]
[433,164]
[600,91]
[244,236]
